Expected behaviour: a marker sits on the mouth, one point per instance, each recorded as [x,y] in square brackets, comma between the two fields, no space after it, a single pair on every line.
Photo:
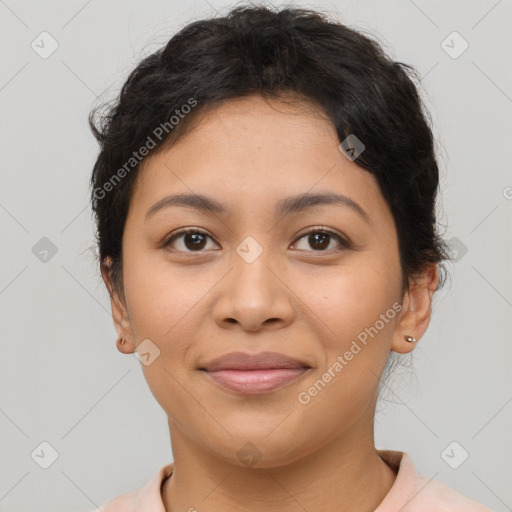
[254,382]
[254,374]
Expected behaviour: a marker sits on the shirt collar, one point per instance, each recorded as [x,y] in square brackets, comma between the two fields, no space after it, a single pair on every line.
[149,499]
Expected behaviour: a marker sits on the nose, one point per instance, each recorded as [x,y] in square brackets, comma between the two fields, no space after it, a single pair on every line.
[254,296]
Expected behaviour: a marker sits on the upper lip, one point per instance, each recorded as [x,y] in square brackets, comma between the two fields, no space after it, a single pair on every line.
[259,361]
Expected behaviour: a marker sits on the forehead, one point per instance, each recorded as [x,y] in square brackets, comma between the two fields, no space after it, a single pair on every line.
[254,151]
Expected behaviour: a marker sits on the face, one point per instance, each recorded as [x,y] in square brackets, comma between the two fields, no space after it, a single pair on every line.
[319,282]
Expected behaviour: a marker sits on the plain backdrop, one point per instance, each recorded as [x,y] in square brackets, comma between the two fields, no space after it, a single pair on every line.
[62,380]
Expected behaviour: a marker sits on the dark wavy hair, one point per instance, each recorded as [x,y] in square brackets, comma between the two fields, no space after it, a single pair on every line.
[256,49]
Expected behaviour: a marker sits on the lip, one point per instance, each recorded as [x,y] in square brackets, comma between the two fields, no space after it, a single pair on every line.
[254,373]
[257,361]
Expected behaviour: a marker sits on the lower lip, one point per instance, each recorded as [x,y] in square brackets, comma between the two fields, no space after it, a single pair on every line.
[253,382]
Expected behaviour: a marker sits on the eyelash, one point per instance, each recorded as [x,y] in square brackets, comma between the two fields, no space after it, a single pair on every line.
[185,231]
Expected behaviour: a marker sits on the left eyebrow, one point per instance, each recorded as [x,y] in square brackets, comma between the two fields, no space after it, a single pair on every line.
[303,201]
[285,206]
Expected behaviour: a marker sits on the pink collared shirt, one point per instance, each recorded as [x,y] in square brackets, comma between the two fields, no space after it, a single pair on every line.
[410,492]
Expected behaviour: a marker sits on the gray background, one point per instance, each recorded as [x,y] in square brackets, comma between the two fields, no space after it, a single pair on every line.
[62,379]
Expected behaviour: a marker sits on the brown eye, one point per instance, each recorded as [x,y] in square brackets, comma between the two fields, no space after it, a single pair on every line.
[189,240]
[321,240]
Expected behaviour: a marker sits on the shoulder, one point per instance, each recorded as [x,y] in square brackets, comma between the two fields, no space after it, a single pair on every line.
[414,493]
[124,502]
[147,497]
[436,496]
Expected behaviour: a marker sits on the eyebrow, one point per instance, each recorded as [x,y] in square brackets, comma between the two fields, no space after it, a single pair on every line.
[285,206]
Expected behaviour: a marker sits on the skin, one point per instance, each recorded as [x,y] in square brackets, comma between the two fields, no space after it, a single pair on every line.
[295,298]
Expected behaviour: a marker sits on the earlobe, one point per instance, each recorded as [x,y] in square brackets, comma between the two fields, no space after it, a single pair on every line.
[120,315]
[124,347]
[417,309]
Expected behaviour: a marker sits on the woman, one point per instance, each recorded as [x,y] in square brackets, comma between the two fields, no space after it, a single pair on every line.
[265,203]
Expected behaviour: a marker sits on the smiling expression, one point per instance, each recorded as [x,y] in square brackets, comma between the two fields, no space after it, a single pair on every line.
[291,248]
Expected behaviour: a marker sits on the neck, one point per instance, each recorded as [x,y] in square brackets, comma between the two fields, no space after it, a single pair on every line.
[345,474]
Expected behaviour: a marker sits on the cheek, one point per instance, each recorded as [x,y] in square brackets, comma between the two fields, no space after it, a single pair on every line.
[161,297]
[165,306]
[351,298]
[356,321]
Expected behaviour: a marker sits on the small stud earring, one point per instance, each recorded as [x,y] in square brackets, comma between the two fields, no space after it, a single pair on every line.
[410,339]
[122,341]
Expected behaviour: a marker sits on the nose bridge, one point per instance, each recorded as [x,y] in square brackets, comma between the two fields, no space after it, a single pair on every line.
[251,260]
[253,293]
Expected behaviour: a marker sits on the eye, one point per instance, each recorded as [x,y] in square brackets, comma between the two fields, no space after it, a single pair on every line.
[195,240]
[190,240]
[320,240]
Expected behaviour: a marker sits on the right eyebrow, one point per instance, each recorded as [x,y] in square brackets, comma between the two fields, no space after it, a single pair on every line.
[199,202]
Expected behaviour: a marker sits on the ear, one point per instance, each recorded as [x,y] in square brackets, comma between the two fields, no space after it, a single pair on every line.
[120,314]
[416,309]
